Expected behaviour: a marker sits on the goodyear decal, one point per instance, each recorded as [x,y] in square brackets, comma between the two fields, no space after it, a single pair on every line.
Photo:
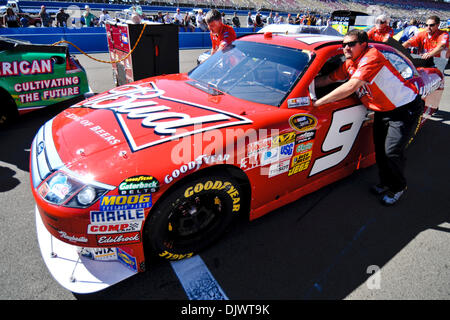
[118,202]
[138,185]
[302,122]
[175,256]
[216,185]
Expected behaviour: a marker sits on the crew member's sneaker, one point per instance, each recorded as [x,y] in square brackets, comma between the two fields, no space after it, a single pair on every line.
[379,189]
[391,198]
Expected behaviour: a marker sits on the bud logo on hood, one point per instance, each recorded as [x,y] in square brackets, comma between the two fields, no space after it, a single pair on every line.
[144,106]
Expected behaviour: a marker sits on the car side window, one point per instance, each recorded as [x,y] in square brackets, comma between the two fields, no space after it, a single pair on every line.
[332,64]
[399,64]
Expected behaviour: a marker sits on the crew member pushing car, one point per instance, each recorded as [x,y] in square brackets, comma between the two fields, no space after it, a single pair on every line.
[396,103]
[381,31]
[431,42]
[221,34]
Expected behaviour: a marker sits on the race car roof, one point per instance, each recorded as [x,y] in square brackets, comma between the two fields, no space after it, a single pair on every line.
[298,41]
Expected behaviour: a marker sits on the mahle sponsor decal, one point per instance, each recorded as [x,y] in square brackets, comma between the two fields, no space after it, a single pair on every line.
[114,216]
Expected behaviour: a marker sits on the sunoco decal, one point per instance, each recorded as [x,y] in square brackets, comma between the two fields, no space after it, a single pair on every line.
[144,106]
[302,122]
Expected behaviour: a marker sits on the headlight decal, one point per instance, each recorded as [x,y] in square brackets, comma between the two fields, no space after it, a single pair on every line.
[44,157]
[62,184]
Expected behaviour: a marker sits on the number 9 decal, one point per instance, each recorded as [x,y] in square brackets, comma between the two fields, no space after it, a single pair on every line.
[341,136]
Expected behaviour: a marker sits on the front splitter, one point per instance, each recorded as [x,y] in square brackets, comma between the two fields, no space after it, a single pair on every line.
[74,272]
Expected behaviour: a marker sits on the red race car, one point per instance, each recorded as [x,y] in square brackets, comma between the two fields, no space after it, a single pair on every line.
[161,166]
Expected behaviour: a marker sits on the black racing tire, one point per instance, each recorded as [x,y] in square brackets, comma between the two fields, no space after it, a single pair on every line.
[192,217]
[8,109]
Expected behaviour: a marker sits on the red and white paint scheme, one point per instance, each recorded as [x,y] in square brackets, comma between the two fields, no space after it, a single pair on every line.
[159,167]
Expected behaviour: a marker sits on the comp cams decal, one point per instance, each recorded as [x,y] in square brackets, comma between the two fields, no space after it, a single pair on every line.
[149,118]
[116,221]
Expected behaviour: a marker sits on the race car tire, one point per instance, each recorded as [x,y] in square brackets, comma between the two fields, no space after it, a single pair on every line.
[192,217]
[8,109]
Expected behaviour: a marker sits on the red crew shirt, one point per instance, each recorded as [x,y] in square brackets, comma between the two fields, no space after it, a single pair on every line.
[380,35]
[226,34]
[426,43]
[385,88]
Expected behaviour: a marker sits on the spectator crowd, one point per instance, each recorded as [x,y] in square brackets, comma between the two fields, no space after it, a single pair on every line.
[187,20]
[12,18]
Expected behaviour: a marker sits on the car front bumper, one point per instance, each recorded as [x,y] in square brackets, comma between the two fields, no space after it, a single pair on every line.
[74,271]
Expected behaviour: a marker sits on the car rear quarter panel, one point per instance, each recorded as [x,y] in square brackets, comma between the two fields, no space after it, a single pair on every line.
[24,89]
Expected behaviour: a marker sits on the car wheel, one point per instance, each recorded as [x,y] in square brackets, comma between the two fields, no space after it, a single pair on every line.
[192,217]
[37,24]
[8,109]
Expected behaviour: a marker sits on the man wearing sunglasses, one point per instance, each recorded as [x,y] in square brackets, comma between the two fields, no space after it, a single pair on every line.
[381,31]
[396,103]
[431,42]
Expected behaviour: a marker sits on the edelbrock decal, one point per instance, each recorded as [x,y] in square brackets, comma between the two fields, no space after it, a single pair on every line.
[144,106]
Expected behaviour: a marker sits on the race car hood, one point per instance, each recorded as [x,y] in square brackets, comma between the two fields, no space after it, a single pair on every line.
[137,125]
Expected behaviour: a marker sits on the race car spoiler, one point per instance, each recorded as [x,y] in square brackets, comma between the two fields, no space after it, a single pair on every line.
[25,46]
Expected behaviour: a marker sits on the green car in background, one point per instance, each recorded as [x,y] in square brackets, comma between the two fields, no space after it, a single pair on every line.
[35,76]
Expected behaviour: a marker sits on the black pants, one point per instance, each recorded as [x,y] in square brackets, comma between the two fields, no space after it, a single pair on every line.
[392,132]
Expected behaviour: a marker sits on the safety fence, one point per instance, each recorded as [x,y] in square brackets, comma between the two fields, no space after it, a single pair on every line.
[93,39]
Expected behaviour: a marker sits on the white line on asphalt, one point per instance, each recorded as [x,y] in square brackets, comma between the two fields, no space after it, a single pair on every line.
[197,280]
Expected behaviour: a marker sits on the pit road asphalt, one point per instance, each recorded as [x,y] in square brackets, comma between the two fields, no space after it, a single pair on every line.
[326,245]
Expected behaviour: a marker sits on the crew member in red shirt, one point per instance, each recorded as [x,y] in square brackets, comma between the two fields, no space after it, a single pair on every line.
[381,31]
[221,34]
[431,42]
[396,103]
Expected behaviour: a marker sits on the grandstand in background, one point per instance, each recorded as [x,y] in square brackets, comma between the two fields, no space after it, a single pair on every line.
[419,9]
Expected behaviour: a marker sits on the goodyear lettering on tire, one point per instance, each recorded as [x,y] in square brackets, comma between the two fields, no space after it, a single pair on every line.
[216,185]
[173,256]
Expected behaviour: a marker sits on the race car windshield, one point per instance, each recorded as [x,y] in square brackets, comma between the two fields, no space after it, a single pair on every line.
[251,71]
